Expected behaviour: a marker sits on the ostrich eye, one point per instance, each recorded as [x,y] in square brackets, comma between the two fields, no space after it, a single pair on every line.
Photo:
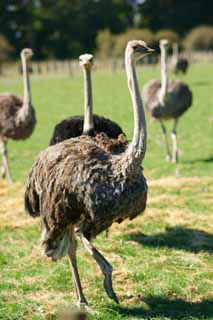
[136,47]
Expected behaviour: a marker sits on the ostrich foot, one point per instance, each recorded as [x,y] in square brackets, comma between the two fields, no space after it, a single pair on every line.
[104,265]
[5,173]
[109,288]
[168,158]
[2,172]
[82,304]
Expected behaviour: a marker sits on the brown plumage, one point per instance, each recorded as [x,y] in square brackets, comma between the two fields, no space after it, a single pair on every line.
[165,100]
[12,125]
[17,116]
[78,188]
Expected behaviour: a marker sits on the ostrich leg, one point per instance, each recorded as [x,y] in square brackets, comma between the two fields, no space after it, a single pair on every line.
[168,154]
[73,264]
[104,265]
[5,165]
[174,142]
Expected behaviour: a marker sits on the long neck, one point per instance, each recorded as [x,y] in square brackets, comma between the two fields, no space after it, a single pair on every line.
[137,148]
[26,82]
[175,51]
[88,102]
[164,74]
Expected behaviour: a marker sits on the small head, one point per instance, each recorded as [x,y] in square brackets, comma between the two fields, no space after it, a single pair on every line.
[86,60]
[54,247]
[138,49]
[164,43]
[27,53]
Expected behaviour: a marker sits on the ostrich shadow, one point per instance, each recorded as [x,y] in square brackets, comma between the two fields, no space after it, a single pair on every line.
[205,160]
[178,238]
[169,308]
[200,83]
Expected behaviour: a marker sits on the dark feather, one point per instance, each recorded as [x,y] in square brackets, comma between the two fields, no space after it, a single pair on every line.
[73,127]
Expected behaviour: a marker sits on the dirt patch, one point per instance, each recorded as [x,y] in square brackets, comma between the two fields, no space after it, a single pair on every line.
[180,181]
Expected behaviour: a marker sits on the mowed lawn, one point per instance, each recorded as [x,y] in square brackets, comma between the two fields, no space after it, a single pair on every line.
[163,263]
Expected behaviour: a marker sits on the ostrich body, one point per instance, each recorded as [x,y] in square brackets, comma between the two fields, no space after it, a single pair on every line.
[17,116]
[165,100]
[179,64]
[88,124]
[78,188]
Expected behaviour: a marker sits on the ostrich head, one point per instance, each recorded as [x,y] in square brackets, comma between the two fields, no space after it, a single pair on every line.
[86,60]
[54,246]
[164,43]
[27,53]
[138,49]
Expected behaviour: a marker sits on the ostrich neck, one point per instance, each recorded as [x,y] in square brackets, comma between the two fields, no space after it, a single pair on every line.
[175,52]
[164,76]
[137,148]
[26,82]
[88,102]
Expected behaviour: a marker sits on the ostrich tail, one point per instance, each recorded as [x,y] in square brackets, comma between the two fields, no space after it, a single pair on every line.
[31,202]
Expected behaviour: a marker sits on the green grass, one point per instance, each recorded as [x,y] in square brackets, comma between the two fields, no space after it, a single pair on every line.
[162,260]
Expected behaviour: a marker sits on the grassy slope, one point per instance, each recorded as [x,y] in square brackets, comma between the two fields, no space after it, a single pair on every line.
[162,260]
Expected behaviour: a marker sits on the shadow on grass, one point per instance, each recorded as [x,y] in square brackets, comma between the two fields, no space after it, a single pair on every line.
[201,83]
[169,308]
[205,160]
[179,238]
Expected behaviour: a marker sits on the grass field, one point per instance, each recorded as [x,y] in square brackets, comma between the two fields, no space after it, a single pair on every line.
[163,260]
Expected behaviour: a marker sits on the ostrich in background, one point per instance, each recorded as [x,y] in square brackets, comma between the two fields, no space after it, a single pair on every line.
[89,124]
[179,64]
[17,116]
[79,189]
[165,99]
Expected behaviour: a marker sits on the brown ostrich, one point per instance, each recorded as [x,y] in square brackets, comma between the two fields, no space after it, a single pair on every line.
[88,124]
[165,99]
[179,64]
[78,188]
[17,116]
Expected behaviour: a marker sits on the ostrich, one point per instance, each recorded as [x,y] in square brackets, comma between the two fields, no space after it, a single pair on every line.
[89,124]
[17,116]
[167,100]
[79,189]
[179,64]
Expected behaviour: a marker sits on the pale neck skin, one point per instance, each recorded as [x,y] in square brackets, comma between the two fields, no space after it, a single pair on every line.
[137,147]
[164,75]
[88,101]
[175,51]
[26,82]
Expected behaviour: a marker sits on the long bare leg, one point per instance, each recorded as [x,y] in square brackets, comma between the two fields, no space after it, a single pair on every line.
[174,142]
[5,163]
[104,265]
[2,168]
[73,263]
[168,154]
